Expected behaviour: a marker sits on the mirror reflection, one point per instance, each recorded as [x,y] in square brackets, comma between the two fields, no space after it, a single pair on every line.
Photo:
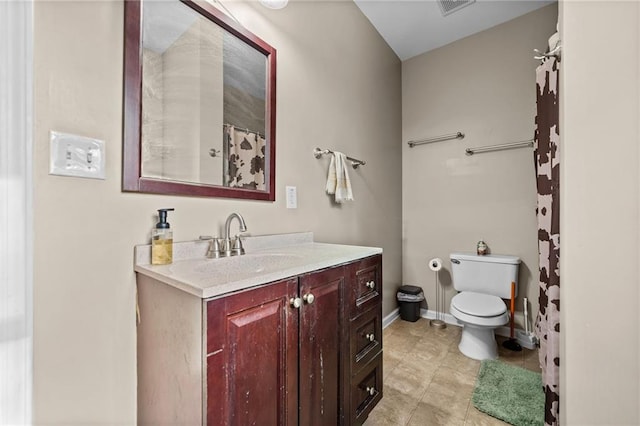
[204,104]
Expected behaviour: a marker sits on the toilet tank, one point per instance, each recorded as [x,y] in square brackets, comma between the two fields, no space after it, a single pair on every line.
[488,274]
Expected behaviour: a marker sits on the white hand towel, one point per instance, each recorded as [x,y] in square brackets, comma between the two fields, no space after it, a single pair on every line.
[338,181]
[331,177]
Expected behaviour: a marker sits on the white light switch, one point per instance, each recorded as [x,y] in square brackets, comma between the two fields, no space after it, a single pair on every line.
[292,197]
[78,156]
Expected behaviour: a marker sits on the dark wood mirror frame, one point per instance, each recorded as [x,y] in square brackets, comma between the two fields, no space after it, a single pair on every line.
[132,181]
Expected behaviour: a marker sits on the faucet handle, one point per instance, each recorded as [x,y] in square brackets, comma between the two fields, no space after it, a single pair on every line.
[214,251]
[236,246]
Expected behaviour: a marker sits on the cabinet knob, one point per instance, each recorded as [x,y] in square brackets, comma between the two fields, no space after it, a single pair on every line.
[370,337]
[295,302]
[371,390]
[371,284]
[309,298]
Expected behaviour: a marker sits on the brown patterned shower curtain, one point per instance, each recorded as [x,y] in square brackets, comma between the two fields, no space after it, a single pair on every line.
[547,141]
[245,153]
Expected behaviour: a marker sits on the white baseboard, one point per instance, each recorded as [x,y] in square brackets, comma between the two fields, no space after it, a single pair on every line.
[527,341]
[448,318]
[394,315]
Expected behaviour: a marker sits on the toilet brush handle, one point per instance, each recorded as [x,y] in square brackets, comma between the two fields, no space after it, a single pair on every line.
[513,305]
[525,302]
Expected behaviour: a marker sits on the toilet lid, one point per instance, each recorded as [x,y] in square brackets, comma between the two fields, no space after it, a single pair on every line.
[478,304]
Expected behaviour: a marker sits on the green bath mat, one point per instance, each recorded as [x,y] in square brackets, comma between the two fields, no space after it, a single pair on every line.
[511,394]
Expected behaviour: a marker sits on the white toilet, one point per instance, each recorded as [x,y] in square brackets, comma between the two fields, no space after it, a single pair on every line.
[483,281]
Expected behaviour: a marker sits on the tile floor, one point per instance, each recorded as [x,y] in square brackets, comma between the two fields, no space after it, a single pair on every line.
[428,382]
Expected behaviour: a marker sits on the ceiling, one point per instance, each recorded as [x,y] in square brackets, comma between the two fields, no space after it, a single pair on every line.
[412,27]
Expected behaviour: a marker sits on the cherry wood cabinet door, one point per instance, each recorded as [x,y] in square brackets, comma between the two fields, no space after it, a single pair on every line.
[322,342]
[252,357]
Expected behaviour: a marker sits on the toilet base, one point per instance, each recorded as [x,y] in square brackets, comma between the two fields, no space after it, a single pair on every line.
[478,342]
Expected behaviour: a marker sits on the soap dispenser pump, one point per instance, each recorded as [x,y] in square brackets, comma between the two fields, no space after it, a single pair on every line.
[162,240]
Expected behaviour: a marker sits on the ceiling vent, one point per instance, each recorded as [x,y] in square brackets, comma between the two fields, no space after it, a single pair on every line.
[450,6]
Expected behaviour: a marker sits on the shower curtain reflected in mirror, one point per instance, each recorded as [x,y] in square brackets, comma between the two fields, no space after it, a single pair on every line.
[245,158]
[547,159]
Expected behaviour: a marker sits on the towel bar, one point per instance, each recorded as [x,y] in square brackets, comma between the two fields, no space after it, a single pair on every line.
[458,135]
[317,152]
[521,144]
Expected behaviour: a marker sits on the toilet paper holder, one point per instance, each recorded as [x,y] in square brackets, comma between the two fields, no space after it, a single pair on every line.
[435,265]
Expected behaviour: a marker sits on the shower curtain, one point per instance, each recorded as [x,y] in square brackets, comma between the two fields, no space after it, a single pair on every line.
[547,159]
[245,153]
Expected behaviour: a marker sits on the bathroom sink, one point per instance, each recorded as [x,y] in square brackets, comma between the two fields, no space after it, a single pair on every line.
[237,266]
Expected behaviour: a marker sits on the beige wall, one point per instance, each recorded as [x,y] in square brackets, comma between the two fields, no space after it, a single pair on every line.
[600,92]
[338,87]
[483,86]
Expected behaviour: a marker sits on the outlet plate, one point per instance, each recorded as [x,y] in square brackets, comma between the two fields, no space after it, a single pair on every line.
[292,197]
[77,156]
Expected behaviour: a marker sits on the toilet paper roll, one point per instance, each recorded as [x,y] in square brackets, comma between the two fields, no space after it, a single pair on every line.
[435,264]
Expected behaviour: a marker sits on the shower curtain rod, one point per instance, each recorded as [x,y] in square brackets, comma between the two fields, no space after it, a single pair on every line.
[354,161]
[512,145]
[542,55]
[458,135]
[245,129]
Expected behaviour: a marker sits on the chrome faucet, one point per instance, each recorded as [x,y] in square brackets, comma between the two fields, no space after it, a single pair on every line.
[235,248]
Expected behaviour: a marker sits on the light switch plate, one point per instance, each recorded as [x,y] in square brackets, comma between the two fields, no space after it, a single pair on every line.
[292,197]
[78,156]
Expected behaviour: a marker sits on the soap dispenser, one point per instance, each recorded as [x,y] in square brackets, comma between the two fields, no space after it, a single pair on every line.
[162,240]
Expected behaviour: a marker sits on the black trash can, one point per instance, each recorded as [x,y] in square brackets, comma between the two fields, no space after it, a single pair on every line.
[410,298]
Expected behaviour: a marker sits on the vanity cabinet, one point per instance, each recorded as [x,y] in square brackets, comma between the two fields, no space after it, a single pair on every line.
[273,349]
[306,350]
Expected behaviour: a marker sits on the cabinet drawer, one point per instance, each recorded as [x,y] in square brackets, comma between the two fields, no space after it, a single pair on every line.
[366,390]
[367,285]
[365,338]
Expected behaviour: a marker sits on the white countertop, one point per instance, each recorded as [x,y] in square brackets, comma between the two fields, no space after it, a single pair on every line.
[269,258]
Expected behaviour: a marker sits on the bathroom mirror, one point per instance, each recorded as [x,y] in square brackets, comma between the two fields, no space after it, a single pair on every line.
[199,103]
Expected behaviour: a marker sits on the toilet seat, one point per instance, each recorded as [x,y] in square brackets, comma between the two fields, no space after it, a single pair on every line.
[479,309]
[478,304]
